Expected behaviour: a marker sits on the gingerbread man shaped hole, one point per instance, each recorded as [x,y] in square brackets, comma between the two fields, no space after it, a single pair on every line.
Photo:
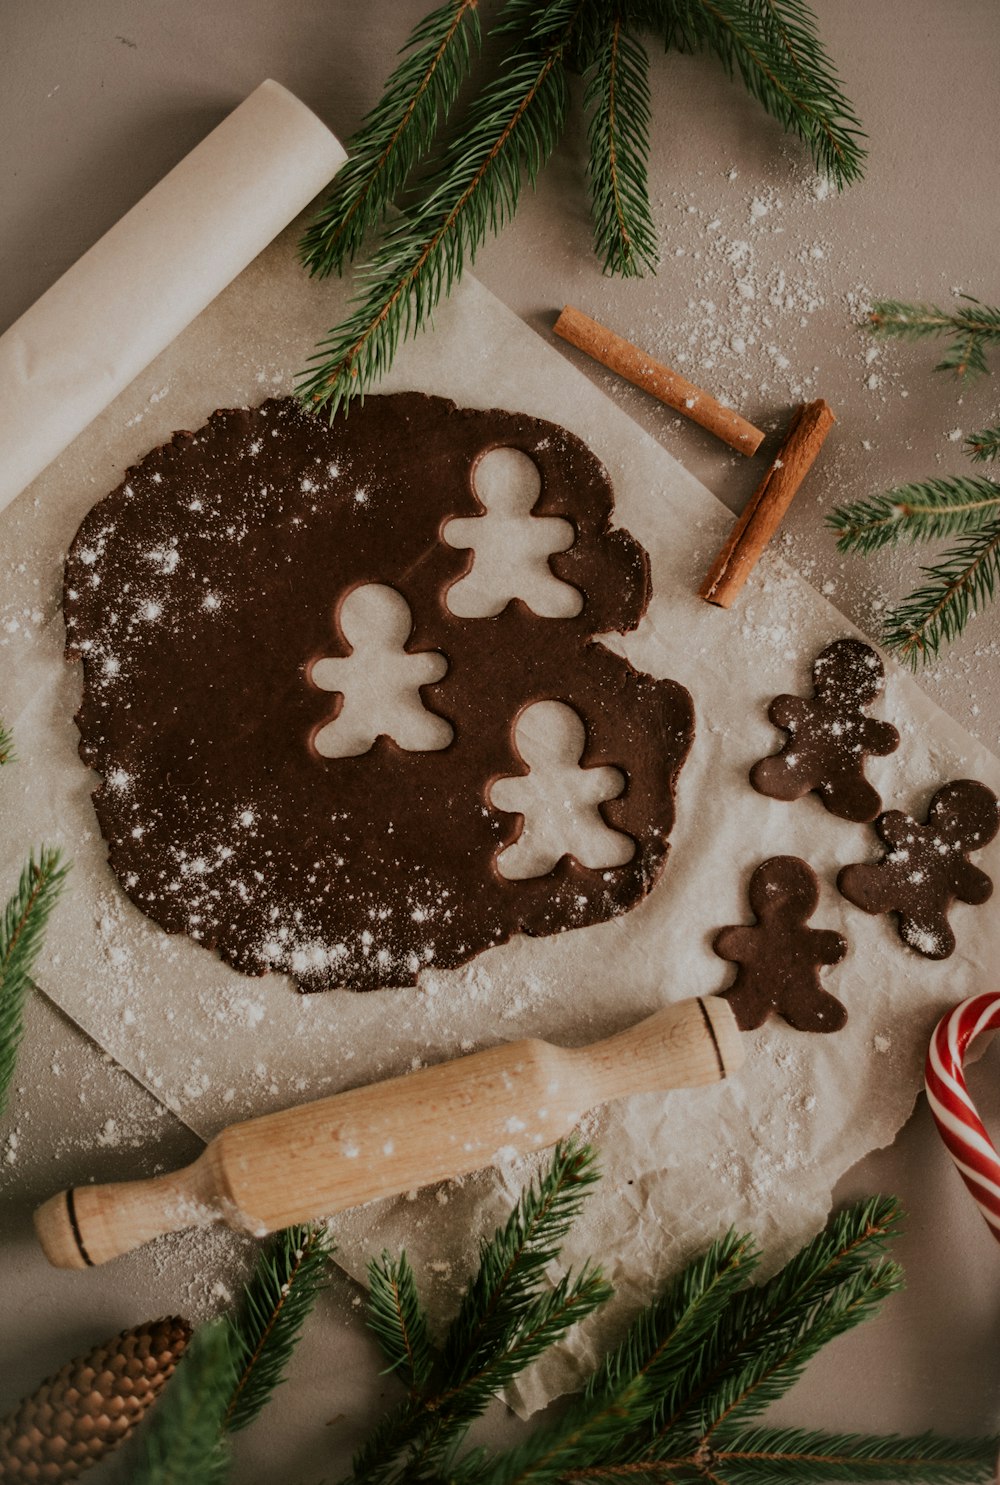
[378,683]
[558,799]
[511,547]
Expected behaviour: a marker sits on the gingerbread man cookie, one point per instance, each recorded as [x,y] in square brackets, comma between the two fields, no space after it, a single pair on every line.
[830,736]
[926,868]
[779,957]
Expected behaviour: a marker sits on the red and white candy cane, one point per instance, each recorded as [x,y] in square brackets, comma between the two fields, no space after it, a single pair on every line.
[954,1112]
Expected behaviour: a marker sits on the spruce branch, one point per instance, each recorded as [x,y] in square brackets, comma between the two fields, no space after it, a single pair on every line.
[764,1372]
[964,579]
[265,1330]
[591,1430]
[920,512]
[774,47]
[955,589]
[713,1351]
[395,135]
[511,130]
[182,1444]
[474,181]
[545,1321]
[377,1461]
[508,1317]
[776,1456]
[617,99]
[6,745]
[512,1262]
[983,446]
[974,326]
[22,929]
[771,1331]
[398,1319]
[665,1336]
[639,1378]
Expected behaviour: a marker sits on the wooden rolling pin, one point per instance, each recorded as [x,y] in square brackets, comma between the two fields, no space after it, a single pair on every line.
[380,1140]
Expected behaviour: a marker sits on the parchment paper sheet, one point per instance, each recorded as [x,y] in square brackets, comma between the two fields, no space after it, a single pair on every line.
[761,1152]
[148,277]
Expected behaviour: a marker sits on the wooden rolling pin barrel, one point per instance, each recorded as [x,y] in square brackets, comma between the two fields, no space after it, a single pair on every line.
[323,1157]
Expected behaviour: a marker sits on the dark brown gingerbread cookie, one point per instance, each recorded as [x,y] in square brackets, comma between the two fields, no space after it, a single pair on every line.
[829,735]
[779,957]
[926,869]
[201,594]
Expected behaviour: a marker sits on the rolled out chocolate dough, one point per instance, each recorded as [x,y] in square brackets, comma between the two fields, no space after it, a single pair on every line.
[201,592]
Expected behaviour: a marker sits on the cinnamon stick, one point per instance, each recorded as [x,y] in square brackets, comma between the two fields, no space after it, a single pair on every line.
[676,391]
[768,504]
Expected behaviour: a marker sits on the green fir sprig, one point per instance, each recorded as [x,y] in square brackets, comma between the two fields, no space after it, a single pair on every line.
[965,578]
[788,1456]
[983,446]
[22,930]
[678,1400]
[955,589]
[6,745]
[234,1365]
[774,48]
[182,1443]
[475,173]
[265,1330]
[921,512]
[617,100]
[510,132]
[398,1319]
[974,327]
[962,582]
[395,136]
[509,1317]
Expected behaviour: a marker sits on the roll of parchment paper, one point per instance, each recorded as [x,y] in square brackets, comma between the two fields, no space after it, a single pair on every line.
[137,288]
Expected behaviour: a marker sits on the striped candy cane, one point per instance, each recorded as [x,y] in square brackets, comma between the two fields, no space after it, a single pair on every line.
[954,1112]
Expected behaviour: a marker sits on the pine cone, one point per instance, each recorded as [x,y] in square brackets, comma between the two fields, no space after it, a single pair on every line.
[91,1405]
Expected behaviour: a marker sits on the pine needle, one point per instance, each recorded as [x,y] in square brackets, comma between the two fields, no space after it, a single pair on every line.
[777,1456]
[955,589]
[21,934]
[398,1319]
[768,1333]
[512,1262]
[181,1443]
[921,512]
[510,132]
[639,1378]
[264,1332]
[473,184]
[395,135]
[617,99]
[670,1334]
[546,1320]
[774,47]
[974,326]
[710,1353]
[510,1315]
[983,446]
[764,1372]
[964,580]
[6,745]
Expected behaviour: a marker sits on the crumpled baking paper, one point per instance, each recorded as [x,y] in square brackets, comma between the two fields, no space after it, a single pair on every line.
[761,1151]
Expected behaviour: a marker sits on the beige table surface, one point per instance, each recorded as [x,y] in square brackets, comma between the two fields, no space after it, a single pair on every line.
[99,98]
